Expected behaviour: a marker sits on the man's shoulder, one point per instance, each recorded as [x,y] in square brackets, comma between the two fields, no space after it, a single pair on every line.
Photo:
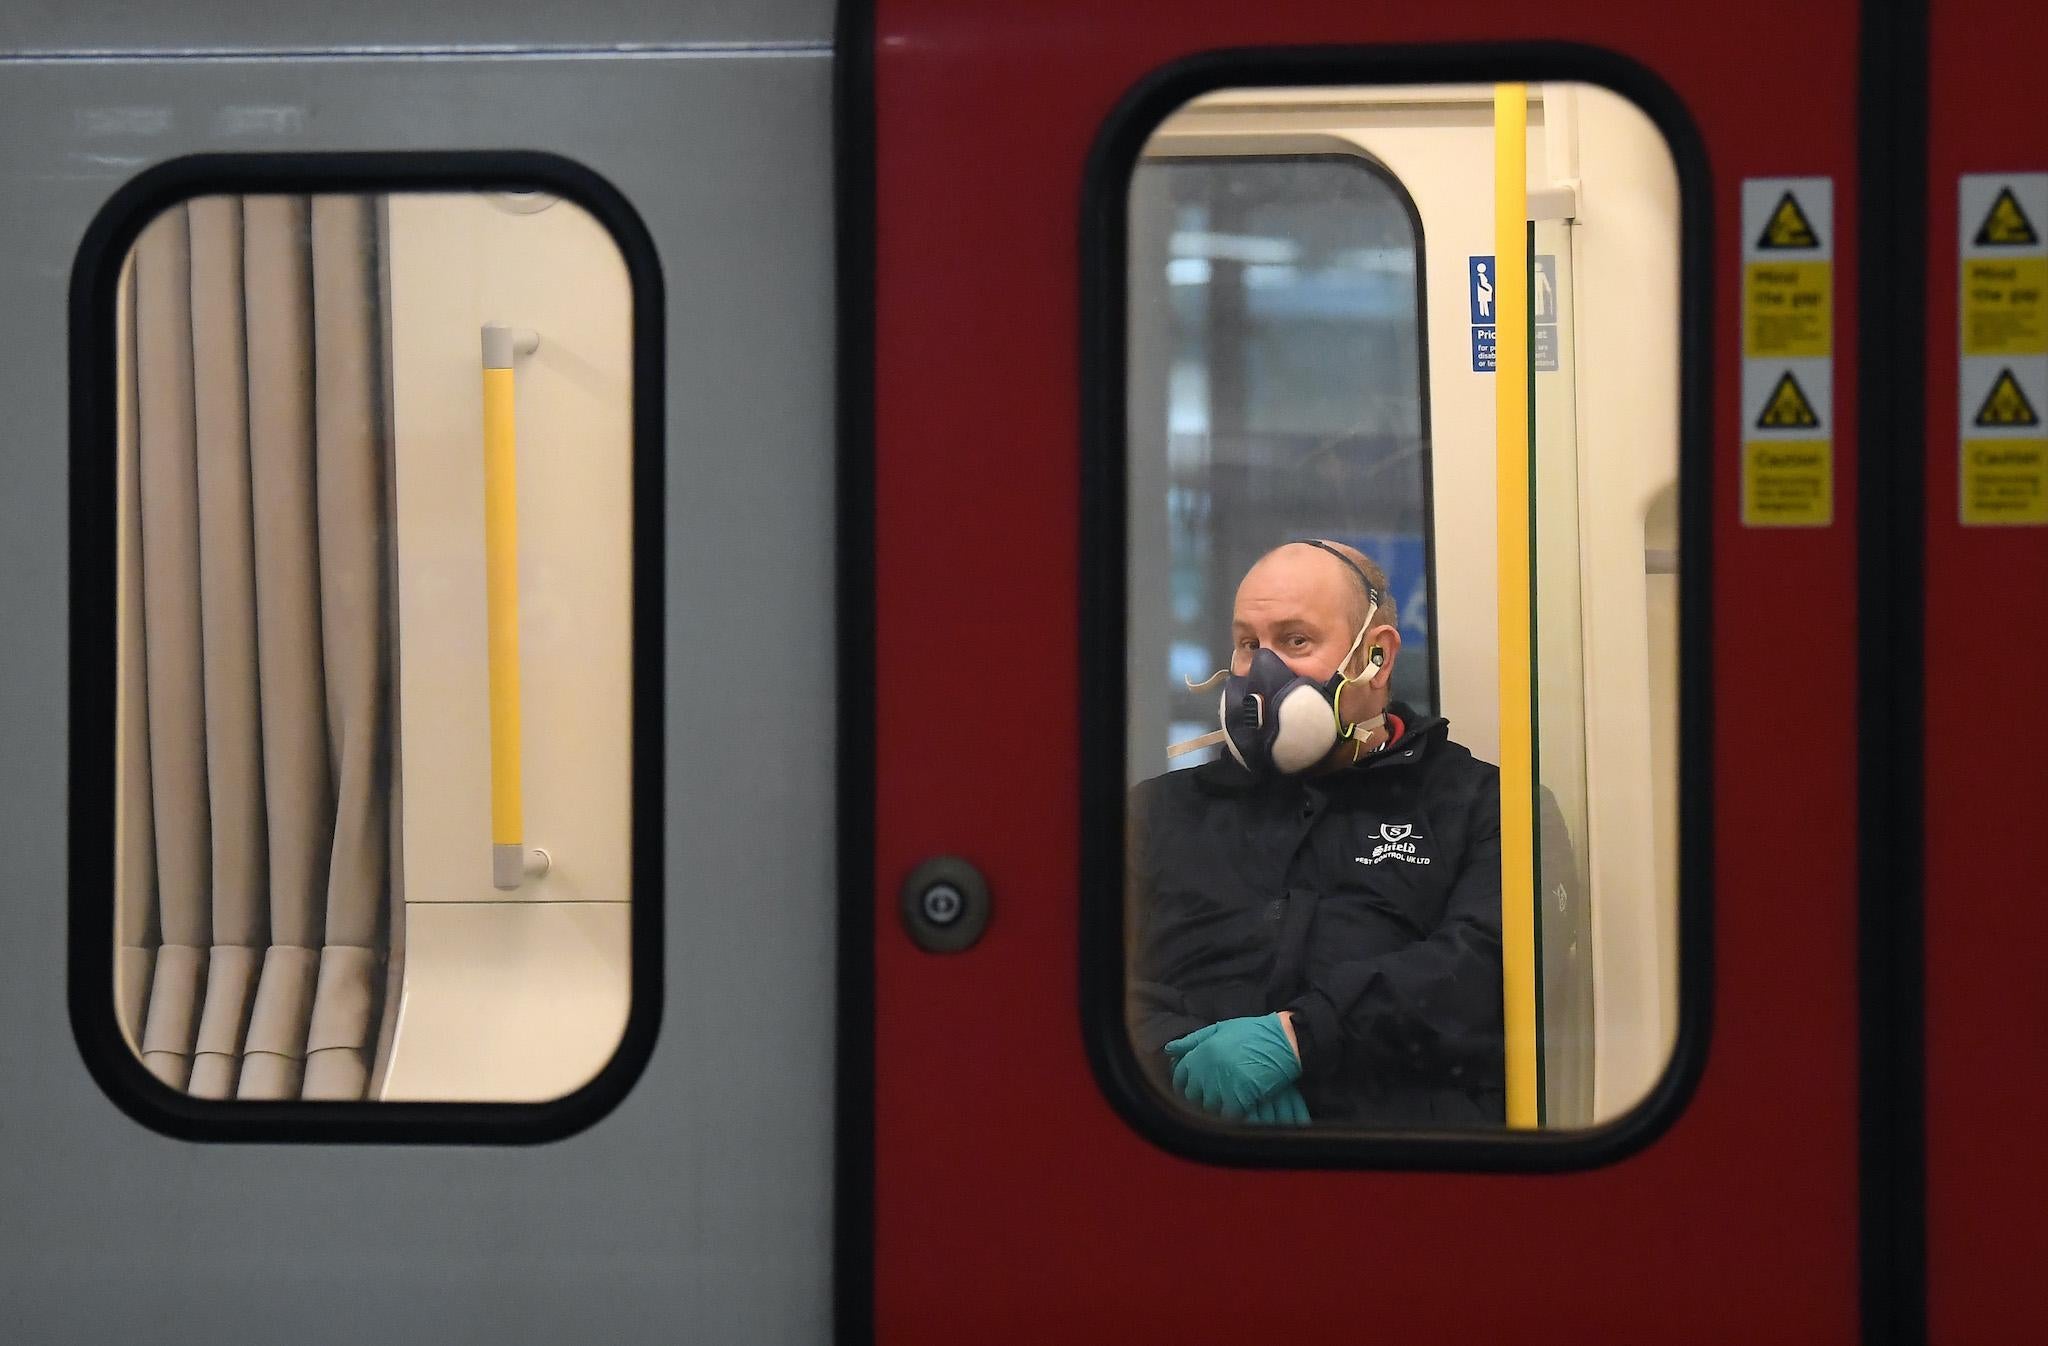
[1437,752]
[1448,767]
[1167,805]
[1461,780]
[1184,783]
[1457,760]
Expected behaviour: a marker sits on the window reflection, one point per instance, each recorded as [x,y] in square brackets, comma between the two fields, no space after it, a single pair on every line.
[1294,392]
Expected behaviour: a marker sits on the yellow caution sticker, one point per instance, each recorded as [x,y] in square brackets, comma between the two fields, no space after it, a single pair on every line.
[2006,224]
[1788,407]
[1788,226]
[2002,349]
[2006,404]
[1788,309]
[1788,483]
[1788,347]
[2005,306]
[2005,481]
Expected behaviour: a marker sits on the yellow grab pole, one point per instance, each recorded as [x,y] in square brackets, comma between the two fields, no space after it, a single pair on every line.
[1511,477]
[510,863]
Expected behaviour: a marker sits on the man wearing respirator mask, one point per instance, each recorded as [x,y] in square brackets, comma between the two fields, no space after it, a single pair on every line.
[1319,908]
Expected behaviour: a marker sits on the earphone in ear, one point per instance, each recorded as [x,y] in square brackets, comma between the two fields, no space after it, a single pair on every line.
[1375,658]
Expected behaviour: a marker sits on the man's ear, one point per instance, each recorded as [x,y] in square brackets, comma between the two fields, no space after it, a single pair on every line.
[1386,642]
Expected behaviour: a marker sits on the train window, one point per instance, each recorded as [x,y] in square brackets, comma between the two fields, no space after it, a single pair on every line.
[374,770]
[1401,823]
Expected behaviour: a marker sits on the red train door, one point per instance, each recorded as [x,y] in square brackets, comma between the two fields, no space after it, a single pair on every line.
[1986,727]
[1010,1190]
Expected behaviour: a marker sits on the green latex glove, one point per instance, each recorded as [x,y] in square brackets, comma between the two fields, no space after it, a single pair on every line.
[1228,1067]
[1286,1108]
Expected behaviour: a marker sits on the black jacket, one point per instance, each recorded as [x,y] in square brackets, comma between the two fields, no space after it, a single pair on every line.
[1366,900]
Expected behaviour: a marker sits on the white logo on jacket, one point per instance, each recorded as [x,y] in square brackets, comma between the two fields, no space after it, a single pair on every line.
[1394,844]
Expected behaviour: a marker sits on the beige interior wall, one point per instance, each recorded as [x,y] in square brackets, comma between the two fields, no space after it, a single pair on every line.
[128,622]
[507,996]
[1660,534]
[1559,642]
[508,1001]
[1627,293]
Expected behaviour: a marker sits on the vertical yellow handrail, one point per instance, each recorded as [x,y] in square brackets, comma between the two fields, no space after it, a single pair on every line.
[1511,477]
[511,864]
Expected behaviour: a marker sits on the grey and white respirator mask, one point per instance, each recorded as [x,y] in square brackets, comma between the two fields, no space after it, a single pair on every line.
[1276,722]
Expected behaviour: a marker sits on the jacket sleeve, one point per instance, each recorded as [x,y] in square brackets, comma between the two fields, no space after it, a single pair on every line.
[1155,1012]
[1433,1008]
[1158,1015]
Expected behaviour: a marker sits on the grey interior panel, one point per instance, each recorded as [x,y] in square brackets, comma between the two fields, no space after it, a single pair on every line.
[700,1209]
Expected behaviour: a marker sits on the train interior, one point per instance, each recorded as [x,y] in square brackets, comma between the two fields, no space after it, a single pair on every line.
[318,721]
[1311,350]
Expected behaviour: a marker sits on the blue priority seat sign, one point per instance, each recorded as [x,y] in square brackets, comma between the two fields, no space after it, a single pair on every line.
[1482,275]
[1481,280]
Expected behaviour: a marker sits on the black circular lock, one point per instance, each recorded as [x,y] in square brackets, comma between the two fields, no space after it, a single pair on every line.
[942,903]
[945,905]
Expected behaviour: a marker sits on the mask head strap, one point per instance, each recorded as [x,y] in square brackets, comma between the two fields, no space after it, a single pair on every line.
[1372,595]
[1343,680]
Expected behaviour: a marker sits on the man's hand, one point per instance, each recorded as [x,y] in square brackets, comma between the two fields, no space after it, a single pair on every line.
[1286,1108]
[1228,1068]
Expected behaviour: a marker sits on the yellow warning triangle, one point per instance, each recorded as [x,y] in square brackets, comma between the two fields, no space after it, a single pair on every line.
[2006,223]
[2006,404]
[1787,407]
[1788,227]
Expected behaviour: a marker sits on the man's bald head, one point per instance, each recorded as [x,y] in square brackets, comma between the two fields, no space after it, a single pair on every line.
[1360,602]
[1306,605]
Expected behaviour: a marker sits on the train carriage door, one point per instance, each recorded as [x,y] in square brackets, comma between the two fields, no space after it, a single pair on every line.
[1160,289]
[418,623]
[1980,849]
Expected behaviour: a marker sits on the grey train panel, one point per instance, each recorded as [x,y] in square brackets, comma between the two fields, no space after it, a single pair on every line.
[43,26]
[700,1209]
